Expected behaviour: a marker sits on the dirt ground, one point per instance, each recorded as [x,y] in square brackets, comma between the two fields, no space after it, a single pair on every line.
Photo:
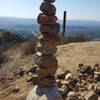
[69,56]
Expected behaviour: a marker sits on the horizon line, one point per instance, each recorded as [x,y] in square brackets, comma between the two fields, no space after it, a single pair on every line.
[58,19]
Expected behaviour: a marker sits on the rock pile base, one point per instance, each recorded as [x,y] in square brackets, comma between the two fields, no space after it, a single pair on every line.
[44,93]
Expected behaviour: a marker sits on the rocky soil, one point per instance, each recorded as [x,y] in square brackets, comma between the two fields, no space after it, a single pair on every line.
[77,76]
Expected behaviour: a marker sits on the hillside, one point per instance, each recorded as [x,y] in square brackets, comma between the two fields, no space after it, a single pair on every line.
[69,56]
[29,27]
[8,39]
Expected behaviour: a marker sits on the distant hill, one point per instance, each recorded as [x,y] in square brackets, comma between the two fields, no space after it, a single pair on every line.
[29,27]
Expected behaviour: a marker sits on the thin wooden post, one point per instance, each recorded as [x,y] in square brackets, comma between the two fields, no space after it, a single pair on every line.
[64,23]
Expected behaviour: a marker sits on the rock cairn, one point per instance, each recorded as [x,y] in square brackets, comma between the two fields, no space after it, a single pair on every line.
[47,41]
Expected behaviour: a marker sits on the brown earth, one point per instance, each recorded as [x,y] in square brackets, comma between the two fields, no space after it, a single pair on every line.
[69,56]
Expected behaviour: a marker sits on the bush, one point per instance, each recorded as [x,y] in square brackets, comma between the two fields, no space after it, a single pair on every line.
[76,38]
[2,57]
[28,47]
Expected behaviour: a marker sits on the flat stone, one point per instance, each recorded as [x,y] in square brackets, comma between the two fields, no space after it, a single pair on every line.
[46,20]
[50,38]
[49,1]
[44,93]
[46,60]
[43,72]
[46,47]
[48,8]
[50,29]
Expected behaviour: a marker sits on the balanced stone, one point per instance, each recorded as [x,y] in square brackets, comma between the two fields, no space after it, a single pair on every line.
[47,81]
[48,8]
[51,38]
[46,47]
[49,1]
[46,60]
[50,29]
[44,19]
[43,72]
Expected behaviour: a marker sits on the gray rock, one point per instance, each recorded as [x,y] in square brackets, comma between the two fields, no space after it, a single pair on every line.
[44,93]
[91,96]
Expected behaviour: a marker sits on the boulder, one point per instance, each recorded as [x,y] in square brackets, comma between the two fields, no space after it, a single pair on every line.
[44,93]
[48,8]
[46,20]
[50,29]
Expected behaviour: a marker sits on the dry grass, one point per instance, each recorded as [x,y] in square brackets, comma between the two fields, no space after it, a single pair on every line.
[69,56]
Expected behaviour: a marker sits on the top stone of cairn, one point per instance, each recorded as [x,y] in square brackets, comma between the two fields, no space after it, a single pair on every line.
[49,1]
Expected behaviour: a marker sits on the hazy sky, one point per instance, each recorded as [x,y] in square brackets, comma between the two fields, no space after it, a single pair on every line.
[77,9]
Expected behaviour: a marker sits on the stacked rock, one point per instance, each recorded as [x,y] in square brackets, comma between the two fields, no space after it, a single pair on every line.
[47,41]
